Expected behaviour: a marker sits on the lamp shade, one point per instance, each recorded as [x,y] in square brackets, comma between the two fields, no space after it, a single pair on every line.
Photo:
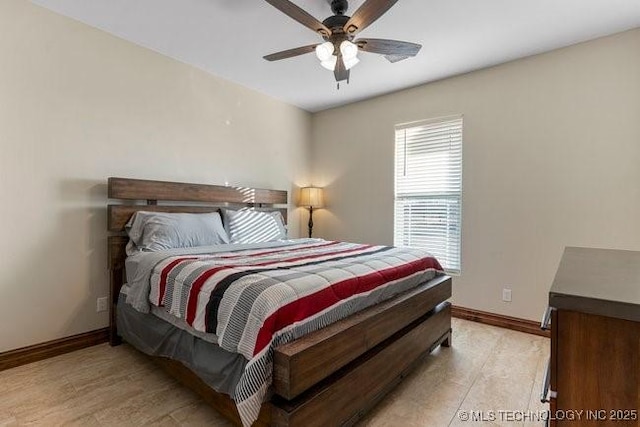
[348,50]
[311,197]
[325,50]
[350,63]
[330,64]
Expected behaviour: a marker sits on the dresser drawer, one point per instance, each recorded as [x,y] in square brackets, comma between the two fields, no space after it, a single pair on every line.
[594,368]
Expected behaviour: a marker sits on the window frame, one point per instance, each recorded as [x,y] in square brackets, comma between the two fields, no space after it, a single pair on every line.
[444,194]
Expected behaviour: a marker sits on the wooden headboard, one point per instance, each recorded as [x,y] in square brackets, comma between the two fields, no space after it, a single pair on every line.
[136,195]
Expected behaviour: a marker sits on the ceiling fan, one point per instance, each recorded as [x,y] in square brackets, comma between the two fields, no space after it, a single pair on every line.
[339,52]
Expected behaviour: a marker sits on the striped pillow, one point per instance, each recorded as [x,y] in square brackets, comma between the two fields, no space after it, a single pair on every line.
[251,226]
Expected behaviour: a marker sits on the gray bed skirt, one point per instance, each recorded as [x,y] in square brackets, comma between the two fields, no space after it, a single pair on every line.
[220,369]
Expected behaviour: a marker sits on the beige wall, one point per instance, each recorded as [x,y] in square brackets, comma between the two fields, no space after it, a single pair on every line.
[78,105]
[551,159]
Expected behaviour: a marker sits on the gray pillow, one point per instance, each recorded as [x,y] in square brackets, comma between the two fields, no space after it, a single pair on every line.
[156,231]
[251,226]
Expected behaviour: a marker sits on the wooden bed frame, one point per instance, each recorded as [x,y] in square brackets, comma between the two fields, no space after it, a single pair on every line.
[330,377]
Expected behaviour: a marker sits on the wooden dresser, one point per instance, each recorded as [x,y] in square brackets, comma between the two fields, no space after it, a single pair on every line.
[594,316]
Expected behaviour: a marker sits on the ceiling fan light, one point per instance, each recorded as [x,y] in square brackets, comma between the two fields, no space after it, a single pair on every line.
[349,50]
[324,51]
[330,64]
[350,63]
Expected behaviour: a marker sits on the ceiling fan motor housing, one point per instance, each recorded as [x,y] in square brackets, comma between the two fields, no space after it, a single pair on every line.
[336,23]
[338,35]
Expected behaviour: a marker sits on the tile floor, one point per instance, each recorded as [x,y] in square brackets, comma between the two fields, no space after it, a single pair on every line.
[492,373]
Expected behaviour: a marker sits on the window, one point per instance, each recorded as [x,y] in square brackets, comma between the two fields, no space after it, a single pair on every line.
[428,188]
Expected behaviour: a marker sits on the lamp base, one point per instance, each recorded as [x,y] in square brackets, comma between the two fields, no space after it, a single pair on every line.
[310,221]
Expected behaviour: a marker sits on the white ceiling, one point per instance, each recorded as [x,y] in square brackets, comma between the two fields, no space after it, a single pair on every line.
[229,38]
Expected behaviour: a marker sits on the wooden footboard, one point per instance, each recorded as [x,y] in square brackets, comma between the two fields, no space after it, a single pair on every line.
[308,360]
[345,396]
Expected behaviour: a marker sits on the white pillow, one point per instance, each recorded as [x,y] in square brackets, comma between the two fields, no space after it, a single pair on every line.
[251,226]
[156,231]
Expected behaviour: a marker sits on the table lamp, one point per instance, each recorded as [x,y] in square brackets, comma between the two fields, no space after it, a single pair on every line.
[311,198]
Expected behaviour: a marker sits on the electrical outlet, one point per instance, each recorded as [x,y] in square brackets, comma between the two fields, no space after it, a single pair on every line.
[102,304]
[506,295]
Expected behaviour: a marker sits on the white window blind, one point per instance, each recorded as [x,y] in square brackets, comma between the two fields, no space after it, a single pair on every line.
[428,188]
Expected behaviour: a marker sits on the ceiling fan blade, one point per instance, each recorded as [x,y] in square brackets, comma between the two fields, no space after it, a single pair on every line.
[395,58]
[389,47]
[290,53]
[298,14]
[367,14]
[340,72]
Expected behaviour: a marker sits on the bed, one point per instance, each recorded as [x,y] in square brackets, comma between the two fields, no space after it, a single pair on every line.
[307,362]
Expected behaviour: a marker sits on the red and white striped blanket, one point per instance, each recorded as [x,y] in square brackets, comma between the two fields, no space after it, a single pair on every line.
[255,300]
